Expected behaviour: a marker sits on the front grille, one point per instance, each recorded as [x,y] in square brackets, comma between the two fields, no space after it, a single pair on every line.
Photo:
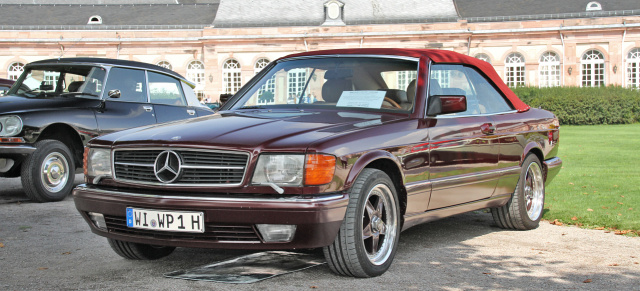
[197,167]
[212,232]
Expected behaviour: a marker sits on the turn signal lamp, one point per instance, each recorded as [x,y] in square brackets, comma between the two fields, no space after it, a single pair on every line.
[319,169]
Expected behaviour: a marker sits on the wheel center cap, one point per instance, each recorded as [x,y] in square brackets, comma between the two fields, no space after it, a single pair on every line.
[55,172]
[376,224]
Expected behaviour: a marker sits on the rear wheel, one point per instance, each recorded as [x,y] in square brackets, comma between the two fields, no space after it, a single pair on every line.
[47,173]
[136,251]
[524,209]
[368,237]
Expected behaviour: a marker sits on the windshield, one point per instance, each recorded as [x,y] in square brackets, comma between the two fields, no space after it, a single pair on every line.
[361,83]
[58,80]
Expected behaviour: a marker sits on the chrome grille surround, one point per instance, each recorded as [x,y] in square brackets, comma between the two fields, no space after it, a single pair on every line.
[200,167]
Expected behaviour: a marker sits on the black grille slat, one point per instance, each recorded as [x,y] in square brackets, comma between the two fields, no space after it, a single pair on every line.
[199,167]
[212,232]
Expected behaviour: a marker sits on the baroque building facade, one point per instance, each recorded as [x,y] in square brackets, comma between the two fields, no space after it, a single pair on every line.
[221,44]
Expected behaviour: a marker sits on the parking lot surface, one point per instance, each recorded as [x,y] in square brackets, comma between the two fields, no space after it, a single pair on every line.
[49,246]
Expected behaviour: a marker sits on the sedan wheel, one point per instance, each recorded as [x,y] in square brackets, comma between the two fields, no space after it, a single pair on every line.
[368,238]
[47,173]
[524,209]
[136,251]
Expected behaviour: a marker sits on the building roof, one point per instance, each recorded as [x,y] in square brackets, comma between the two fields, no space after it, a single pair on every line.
[557,9]
[112,15]
[244,13]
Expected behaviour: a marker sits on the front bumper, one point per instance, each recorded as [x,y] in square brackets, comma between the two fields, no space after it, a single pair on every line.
[11,156]
[229,221]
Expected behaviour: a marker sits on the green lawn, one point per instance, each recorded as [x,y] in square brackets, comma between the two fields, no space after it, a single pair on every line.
[599,184]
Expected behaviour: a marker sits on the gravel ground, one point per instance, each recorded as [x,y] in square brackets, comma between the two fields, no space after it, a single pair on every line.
[49,246]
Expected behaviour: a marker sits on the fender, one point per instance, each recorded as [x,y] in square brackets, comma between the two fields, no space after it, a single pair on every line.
[368,158]
[534,147]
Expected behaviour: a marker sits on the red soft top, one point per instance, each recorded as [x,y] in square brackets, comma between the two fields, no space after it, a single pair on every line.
[437,56]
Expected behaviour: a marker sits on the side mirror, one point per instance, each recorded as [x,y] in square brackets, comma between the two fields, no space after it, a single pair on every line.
[446,104]
[115,93]
[224,98]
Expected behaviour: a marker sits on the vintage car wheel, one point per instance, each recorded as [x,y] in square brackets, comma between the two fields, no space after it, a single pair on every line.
[524,209]
[136,251]
[47,174]
[368,237]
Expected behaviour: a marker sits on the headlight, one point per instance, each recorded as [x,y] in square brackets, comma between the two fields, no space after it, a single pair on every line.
[98,162]
[10,125]
[294,170]
[283,170]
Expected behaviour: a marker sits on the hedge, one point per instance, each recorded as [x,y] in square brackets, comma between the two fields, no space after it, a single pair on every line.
[585,105]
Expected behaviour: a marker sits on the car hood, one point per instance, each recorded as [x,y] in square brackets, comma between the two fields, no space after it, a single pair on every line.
[257,130]
[15,104]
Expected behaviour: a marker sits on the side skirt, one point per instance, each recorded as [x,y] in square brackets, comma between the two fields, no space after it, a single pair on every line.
[435,214]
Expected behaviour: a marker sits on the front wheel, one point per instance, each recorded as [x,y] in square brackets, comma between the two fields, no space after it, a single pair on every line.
[524,209]
[368,237]
[47,173]
[136,251]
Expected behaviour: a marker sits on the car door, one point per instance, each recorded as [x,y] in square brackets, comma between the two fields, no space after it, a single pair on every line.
[167,97]
[132,108]
[463,152]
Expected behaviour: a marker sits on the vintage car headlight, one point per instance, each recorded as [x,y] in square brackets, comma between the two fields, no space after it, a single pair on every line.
[98,162]
[10,125]
[286,170]
[294,170]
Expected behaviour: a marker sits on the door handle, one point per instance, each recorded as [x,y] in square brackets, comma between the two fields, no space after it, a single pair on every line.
[488,128]
[147,108]
[191,112]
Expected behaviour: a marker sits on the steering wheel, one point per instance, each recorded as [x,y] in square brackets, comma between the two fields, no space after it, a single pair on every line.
[393,103]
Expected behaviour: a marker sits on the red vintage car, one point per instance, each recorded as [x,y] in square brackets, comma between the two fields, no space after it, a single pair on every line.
[340,150]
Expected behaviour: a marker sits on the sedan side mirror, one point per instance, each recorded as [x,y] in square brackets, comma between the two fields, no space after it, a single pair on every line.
[224,98]
[446,104]
[112,94]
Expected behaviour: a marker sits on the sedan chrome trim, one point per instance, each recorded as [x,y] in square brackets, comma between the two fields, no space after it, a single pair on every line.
[292,199]
[17,149]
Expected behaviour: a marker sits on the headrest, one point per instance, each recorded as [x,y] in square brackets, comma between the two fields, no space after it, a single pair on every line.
[411,91]
[434,87]
[338,74]
[74,86]
[399,96]
[332,89]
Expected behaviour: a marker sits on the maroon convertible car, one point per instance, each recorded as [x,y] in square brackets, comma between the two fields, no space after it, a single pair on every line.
[340,150]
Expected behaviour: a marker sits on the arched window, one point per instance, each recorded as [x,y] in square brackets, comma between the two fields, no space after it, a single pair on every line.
[260,64]
[633,68]
[165,65]
[592,69]
[195,73]
[231,76]
[15,70]
[593,6]
[549,71]
[96,19]
[483,57]
[514,70]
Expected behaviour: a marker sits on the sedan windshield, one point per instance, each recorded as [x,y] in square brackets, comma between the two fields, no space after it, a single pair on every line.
[362,83]
[57,80]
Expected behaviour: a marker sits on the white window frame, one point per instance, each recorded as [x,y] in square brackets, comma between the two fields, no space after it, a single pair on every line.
[484,57]
[15,70]
[195,74]
[231,76]
[165,64]
[260,64]
[592,69]
[515,73]
[296,79]
[549,70]
[632,77]
[404,78]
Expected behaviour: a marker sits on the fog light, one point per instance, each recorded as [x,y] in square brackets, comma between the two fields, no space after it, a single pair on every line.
[277,232]
[98,220]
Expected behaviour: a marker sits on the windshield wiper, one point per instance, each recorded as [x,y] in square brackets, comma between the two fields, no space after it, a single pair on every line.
[252,107]
[78,93]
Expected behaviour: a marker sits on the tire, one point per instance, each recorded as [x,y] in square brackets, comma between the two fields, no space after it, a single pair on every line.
[136,251]
[524,209]
[48,173]
[368,237]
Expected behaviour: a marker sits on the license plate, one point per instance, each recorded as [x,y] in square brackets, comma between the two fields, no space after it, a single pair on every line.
[163,220]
